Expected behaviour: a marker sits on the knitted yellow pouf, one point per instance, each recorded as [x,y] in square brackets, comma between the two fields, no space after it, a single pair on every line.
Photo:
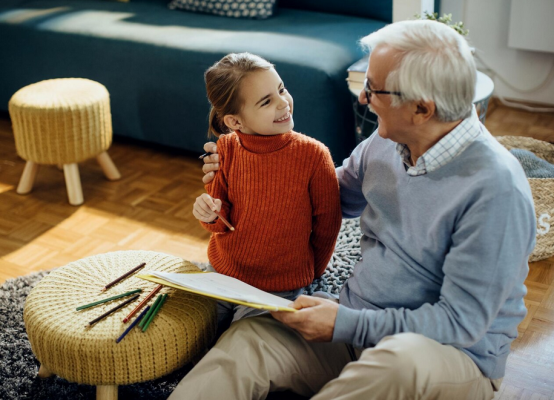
[184,327]
[63,122]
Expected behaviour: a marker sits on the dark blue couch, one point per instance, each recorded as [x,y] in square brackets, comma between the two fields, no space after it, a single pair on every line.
[152,59]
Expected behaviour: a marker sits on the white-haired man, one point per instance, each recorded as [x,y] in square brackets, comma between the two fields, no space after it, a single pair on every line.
[448,223]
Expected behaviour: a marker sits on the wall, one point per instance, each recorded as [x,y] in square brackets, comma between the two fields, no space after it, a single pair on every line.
[488,24]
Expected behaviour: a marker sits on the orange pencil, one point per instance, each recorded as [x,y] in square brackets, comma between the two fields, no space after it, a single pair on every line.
[224,221]
[142,303]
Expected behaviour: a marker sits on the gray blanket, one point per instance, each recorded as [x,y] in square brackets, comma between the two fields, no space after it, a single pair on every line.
[534,167]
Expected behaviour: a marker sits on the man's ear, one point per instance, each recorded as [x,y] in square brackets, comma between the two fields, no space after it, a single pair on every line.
[232,122]
[424,111]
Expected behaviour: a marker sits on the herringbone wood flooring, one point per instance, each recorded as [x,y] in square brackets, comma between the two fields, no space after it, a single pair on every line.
[150,208]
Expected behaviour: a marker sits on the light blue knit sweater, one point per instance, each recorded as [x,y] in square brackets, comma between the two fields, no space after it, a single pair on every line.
[444,254]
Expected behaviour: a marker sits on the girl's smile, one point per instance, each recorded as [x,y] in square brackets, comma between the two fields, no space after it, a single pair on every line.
[267,105]
[283,119]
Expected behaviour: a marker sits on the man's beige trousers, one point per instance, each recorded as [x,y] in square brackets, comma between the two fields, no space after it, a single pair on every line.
[260,355]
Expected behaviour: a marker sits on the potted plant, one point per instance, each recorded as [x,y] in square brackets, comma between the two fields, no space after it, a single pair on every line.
[445,19]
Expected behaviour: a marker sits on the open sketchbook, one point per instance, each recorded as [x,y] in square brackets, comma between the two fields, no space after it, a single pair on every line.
[221,287]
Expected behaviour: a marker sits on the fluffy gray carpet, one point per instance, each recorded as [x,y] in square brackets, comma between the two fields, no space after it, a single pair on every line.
[18,366]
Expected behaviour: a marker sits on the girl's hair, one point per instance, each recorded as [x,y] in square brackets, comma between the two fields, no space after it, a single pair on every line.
[436,65]
[223,81]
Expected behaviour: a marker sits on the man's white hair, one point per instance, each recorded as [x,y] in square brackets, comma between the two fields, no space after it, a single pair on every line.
[436,64]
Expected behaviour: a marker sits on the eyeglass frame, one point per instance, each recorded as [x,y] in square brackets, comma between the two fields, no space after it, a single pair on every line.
[368,91]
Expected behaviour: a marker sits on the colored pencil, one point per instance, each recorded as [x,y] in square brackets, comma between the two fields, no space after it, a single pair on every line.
[224,221]
[135,322]
[136,296]
[205,155]
[109,299]
[142,303]
[109,285]
[153,314]
[151,310]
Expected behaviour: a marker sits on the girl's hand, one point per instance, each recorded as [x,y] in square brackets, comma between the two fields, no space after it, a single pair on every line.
[204,208]
[211,163]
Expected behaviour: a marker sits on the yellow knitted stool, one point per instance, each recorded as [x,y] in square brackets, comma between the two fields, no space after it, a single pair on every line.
[184,327]
[63,122]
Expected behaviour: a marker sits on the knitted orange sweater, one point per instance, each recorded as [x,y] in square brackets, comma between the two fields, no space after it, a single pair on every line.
[281,195]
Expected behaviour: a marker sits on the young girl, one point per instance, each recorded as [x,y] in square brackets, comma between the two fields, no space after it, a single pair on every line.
[276,187]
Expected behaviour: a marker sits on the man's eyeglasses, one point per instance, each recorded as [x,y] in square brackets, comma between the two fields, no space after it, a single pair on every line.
[368,91]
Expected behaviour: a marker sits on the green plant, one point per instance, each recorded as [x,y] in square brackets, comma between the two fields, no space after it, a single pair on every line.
[445,19]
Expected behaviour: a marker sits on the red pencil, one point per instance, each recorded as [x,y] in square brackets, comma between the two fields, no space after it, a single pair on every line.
[142,303]
[109,285]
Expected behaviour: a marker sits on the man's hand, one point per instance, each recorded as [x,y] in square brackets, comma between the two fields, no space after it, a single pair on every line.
[315,320]
[211,163]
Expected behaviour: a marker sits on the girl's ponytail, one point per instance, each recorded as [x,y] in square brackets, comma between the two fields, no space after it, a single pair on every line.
[216,127]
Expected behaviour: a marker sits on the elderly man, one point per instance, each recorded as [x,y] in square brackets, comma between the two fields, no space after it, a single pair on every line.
[448,223]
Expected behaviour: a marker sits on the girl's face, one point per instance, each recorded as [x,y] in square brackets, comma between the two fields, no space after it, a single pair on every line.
[267,105]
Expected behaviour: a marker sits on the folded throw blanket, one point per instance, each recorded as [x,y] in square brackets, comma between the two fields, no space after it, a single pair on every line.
[534,167]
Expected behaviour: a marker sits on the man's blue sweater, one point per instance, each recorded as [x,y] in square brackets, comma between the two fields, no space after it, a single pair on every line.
[444,254]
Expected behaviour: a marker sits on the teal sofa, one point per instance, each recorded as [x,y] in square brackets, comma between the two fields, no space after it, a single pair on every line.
[152,59]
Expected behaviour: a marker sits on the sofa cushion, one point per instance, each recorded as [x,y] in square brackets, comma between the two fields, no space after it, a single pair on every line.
[152,61]
[259,9]
[376,9]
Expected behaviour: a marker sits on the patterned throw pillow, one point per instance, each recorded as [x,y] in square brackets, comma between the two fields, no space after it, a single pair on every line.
[228,8]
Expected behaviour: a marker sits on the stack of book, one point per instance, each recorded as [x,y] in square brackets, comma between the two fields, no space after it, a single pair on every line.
[356,75]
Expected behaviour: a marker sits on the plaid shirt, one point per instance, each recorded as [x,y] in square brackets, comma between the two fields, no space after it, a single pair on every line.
[445,150]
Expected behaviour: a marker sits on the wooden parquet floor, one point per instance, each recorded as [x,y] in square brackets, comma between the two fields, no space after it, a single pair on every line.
[151,208]
[530,369]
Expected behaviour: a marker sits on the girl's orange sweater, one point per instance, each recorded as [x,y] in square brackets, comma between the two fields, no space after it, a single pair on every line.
[281,195]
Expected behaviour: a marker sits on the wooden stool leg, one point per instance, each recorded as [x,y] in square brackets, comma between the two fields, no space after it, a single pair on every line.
[73,184]
[106,392]
[27,178]
[43,372]
[109,168]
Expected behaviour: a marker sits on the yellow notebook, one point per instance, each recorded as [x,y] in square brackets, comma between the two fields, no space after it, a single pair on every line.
[220,287]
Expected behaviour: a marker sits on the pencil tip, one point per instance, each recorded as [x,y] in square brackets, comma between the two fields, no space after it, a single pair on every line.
[103,289]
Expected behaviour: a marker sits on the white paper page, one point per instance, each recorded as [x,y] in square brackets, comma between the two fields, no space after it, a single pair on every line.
[222,285]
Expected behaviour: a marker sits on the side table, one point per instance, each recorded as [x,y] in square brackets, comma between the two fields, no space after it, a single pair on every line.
[483,92]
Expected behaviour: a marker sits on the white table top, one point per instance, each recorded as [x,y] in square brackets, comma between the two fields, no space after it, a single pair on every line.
[483,88]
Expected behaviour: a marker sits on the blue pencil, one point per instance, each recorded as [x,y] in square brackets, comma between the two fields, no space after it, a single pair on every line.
[136,321]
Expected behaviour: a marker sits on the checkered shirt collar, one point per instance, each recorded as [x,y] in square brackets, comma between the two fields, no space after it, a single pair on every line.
[445,150]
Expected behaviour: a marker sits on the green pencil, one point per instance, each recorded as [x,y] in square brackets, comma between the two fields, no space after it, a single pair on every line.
[109,299]
[145,318]
[153,311]
[160,304]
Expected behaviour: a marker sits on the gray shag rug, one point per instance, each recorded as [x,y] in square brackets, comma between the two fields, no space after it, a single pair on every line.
[18,366]
[533,166]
